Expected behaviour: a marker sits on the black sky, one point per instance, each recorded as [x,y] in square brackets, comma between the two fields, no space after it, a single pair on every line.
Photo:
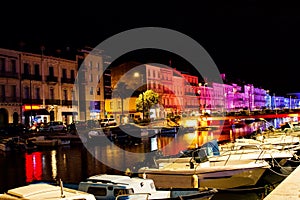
[252,40]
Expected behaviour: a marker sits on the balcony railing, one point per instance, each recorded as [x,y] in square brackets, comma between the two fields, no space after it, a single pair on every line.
[9,74]
[35,77]
[52,101]
[67,102]
[67,80]
[51,79]
[32,101]
[10,99]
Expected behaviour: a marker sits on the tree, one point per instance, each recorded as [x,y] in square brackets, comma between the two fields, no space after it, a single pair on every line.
[122,91]
[146,100]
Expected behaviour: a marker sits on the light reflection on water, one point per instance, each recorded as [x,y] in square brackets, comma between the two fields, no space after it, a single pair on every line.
[75,163]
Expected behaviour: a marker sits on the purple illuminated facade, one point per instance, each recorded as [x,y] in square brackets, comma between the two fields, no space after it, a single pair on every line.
[36,79]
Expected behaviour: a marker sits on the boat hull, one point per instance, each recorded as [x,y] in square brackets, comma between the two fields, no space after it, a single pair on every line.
[220,177]
[219,180]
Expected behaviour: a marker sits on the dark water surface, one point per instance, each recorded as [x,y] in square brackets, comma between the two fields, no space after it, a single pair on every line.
[75,163]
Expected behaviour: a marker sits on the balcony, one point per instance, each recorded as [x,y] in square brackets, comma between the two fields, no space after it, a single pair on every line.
[32,77]
[51,79]
[67,102]
[52,101]
[10,99]
[32,101]
[9,74]
[67,80]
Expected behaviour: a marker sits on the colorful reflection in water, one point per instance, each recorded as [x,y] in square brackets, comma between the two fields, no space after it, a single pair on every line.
[33,166]
[173,145]
[75,163]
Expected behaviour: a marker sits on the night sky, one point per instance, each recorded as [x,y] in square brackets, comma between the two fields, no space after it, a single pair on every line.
[250,40]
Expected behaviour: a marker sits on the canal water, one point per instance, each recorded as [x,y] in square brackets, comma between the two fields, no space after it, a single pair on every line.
[72,164]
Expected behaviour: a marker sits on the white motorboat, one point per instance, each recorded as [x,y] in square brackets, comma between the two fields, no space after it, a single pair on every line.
[254,154]
[45,191]
[187,173]
[202,169]
[112,186]
[280,142]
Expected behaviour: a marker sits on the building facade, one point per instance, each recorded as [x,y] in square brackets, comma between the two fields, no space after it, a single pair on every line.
[40,88]
[47,88]
[10,92]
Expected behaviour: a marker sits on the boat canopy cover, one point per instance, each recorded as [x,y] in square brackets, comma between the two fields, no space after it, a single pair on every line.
[211,148]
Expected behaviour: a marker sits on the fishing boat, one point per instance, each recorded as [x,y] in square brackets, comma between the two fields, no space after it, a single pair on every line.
[113,186]
[45,191]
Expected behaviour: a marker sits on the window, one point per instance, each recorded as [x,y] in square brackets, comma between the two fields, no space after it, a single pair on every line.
[2,91]
[2,64]
[51,71]
[73,95]
[91,91]
[91,77]
[26,68]
[37,69]
[26,92]
[91,65]
[98,67]
[51,93]
[14,91]
[13,66]
[37,93]
[64,73]
[97,191]
[98,91]
[72,74]
[65,94]
[123,191]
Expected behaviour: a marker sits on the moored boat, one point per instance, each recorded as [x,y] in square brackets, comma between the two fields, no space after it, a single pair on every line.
[198,170]
[45,191]
[42,141]
[111,187]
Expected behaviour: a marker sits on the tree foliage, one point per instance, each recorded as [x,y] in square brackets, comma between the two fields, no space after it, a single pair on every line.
[150,99]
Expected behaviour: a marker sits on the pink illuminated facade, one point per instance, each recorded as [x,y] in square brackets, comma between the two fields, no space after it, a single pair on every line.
[46,83]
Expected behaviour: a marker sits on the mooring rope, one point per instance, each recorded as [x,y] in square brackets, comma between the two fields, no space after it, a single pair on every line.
[285,175]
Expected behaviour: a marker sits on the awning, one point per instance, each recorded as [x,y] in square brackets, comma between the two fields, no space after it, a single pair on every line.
[36,112]
[69,113]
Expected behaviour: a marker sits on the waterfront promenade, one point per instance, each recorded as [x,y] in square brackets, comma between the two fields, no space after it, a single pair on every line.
[288,189]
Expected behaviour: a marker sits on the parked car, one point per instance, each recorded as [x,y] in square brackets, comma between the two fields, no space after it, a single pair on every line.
[108,122]
[53,126]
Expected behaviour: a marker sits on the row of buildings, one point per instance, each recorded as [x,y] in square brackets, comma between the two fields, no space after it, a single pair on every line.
[37,87]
